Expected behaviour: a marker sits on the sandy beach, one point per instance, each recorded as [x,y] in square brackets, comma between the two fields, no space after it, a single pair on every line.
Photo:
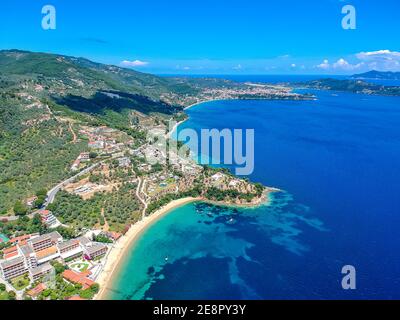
[122,246]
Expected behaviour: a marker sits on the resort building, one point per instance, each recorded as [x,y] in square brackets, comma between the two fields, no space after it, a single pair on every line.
[41,271]
[70,249]
[47,255]
[95,250]
[78,278]
[10,253]
[32,254]
[29,256]
[45,241]
[13,268]
[22,239]
[84,241]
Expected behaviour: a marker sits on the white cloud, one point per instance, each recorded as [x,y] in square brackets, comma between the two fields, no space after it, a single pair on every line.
[293,65]
[341,65]
[383,60]
[324,65]
[380,54]
[136,63]
[238,67]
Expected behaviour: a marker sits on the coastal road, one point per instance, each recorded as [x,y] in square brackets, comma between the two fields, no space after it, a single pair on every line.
[53,192]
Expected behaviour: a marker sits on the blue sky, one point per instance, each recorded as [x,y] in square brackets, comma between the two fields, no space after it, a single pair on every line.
[212,37]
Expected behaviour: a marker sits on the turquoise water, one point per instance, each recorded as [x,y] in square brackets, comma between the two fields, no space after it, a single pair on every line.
[337,160]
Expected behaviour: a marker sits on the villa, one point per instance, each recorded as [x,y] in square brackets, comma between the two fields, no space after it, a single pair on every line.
[48,218]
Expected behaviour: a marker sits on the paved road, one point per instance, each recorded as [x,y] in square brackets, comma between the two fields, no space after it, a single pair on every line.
[53,192]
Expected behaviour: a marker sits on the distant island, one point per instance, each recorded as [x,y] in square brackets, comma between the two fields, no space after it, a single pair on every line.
[381,75]
[354,86]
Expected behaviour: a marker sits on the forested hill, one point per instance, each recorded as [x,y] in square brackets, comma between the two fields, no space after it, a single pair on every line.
[43,97]
[355,86]
[382,75]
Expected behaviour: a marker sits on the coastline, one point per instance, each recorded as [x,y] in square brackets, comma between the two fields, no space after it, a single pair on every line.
[120,249]
[173,129]
[201,102]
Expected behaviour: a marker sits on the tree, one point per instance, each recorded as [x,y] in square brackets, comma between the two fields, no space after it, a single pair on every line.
[2,287]
[39,201]
[12,295]
[20,209]
[93,155]
[41,193]
[58,267]
[95,288]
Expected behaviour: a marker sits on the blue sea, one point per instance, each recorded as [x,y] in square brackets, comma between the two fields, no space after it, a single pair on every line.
[336,161]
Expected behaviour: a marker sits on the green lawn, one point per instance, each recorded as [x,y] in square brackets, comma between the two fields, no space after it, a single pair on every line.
[80,266]
[21,282]
[3,295]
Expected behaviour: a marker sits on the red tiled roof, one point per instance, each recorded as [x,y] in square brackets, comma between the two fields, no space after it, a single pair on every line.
[78,277]
[10,255]
[37,290]
[75,298]
[46,252]
[44,212]
[20,239]
[10,250]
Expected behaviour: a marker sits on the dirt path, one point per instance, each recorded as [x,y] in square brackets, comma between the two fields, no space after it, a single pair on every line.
[72,132]
[106,226]
[143,201]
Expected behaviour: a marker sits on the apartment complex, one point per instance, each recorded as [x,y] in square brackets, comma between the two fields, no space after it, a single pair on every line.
[13,268]
[33,253]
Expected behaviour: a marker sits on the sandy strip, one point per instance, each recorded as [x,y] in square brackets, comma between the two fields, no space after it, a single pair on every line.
[122,246]
[204,101]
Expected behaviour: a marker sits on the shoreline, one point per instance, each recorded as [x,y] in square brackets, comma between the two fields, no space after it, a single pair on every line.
[204,101]
[120,249]
[175,127]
